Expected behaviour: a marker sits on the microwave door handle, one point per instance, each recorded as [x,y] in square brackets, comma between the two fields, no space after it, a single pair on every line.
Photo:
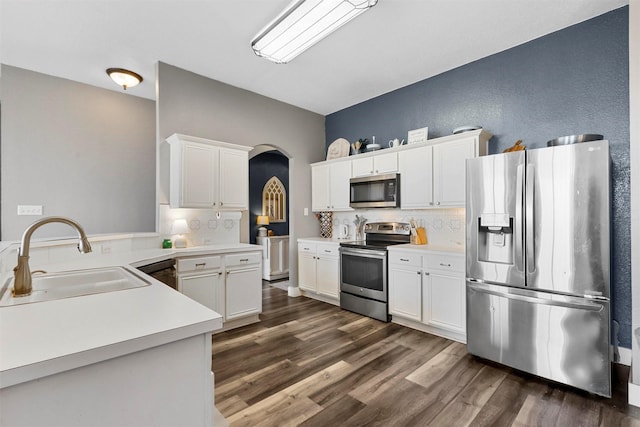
[518,220]
[530,232]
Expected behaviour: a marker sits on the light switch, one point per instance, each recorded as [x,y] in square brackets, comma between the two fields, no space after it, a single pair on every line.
[29,209]
[306,211]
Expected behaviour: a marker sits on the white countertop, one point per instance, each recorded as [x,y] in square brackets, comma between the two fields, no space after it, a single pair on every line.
[44,338]
[324,240]
[453,250]
[457,249]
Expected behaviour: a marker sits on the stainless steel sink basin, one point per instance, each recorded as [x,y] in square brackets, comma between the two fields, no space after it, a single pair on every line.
[67,284]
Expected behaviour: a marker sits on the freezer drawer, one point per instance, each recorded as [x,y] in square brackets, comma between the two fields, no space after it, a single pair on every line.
[565,339]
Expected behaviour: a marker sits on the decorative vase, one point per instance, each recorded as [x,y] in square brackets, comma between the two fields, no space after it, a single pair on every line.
[326,224]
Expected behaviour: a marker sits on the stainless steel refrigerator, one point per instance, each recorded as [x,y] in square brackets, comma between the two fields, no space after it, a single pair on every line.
[537,262]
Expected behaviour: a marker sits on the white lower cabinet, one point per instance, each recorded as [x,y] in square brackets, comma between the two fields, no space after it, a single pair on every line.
[206,288]
[405,295]
[244,292]
[319,270]
[229,284]
[328,275]
[427,291]
[444,301]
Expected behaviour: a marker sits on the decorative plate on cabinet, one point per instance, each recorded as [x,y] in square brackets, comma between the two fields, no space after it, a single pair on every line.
[462,129]
[338,148]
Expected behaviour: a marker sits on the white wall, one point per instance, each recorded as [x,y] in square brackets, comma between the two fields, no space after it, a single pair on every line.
[194,105]
[79,151]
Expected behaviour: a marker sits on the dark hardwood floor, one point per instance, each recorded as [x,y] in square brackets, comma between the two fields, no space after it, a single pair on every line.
[308,363]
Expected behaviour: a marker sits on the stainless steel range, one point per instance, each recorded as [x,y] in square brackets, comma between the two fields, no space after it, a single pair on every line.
[363,269]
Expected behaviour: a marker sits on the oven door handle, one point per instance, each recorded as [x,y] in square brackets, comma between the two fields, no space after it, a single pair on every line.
[369,253]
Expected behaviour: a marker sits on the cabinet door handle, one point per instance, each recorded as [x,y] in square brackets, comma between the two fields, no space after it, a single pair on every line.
[221,203]
[201,265]
[426,273]
[437,203]
[213,204]
[246,270]
[327,251]
[244,260]
[417,272]
[404,260]
[445,265]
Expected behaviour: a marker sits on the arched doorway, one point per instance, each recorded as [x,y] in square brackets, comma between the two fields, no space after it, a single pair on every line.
[269,203]
[266,163]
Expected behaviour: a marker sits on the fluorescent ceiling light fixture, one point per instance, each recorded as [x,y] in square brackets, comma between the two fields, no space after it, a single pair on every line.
[303,24]
[124,78]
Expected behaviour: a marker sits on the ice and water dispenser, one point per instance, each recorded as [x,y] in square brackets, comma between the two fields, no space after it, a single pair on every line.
[495,238]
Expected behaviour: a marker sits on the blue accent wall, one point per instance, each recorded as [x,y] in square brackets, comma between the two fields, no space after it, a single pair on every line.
[573,81]
[261,168]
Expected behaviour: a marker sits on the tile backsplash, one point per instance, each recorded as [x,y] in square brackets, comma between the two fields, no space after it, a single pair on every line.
[205,228]
[444,227]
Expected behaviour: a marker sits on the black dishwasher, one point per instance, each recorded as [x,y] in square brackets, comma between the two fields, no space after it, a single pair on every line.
[163,271]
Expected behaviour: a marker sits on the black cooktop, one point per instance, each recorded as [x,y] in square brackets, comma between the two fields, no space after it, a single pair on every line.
[380,235]
[362,244]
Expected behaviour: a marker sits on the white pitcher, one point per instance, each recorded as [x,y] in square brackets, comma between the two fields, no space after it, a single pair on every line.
[343,231]
[395,143]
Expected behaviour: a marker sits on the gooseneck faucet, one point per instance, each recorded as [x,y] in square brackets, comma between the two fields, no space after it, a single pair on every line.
[22,273]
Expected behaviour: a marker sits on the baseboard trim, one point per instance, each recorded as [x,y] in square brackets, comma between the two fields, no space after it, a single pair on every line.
[633,391]
[293,291]
[625,356]
[320,297]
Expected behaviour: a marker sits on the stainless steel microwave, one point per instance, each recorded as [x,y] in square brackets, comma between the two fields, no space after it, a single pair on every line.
[378,191]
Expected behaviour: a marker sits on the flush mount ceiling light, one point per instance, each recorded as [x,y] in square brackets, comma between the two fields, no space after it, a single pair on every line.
[303,24]
[124,78]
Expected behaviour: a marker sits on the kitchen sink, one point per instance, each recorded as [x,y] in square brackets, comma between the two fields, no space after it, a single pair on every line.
[67,284]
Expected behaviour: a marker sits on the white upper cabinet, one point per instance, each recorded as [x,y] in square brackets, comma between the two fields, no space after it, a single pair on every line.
[208,174]
[449,170]
[195,172]
[234,179]
[320,187]
[432,174]
[416,177]
[330,186]
[375,165]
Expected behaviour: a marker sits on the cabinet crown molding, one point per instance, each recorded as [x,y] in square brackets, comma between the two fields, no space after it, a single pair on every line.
[180,138]
[483,135]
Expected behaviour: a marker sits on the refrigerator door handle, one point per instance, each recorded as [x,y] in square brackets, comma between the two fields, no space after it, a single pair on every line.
[518,220]
[530,232]
[488,289]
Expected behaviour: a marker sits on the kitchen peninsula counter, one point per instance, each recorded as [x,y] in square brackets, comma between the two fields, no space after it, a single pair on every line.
[45,338]
[126,349]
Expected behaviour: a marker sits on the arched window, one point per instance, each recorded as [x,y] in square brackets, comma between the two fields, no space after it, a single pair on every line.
[274,200]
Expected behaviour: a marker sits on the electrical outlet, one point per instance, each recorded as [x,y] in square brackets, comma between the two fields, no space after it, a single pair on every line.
[106,248]
[306,212]
[29,209]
